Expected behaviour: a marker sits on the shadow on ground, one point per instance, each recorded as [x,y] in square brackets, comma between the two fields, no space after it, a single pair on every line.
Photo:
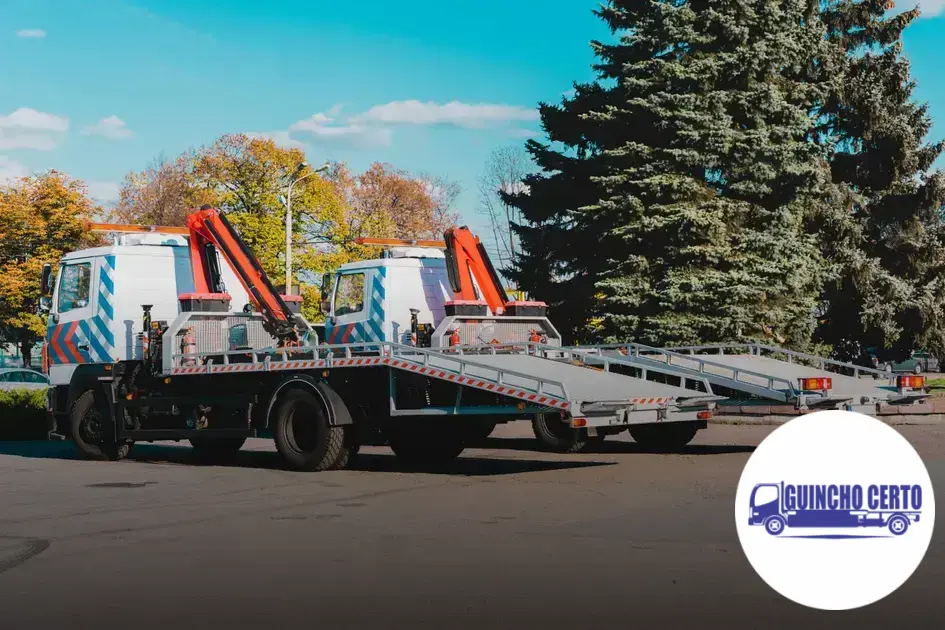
[615,447]
[372,461]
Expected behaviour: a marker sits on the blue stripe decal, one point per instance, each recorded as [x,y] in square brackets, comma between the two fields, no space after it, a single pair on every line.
[106,333]
[94,345]
[104,306]
[107,281]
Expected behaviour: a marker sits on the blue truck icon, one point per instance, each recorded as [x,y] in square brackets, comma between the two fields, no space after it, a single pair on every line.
[777,506]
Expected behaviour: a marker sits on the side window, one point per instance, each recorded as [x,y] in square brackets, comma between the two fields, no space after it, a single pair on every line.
[5,377]
[74,286]
[349,297]
[32,377]
[15,377]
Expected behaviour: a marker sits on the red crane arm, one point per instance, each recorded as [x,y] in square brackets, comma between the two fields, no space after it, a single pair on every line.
[209,228]
[466,258]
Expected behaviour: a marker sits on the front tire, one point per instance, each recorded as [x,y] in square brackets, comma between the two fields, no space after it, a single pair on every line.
[671,436]
[87,430]
[898,525]
[303,436]
[775,525]
[555,435]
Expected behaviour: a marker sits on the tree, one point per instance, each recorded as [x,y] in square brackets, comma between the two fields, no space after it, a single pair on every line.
[890,292]
[505,170]
[682,208]
[41,218]
[246,176]
[164,193]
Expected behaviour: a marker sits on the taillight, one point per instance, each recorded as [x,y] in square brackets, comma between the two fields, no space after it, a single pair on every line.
[45,359]
[704,415]
[816,384]
[909,381]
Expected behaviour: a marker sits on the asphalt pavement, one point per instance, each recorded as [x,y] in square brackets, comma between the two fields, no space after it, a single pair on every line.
[506,537]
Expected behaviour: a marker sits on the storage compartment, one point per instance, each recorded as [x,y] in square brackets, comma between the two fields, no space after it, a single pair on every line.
[466,307]
[294,302]
[526,309]
[204,302]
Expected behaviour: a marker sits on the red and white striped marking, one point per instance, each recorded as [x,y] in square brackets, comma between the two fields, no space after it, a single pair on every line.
[409,366]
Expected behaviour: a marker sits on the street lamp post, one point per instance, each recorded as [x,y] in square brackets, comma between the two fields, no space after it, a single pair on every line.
[287,202]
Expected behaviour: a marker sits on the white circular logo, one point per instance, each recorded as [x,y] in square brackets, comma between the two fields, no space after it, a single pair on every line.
[835,510]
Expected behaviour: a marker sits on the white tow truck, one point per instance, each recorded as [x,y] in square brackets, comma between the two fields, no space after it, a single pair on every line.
[180,335]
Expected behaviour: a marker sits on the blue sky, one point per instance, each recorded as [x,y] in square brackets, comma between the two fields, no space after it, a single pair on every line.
[104,86]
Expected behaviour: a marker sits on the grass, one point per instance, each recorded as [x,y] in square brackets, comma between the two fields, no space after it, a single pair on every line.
[936,386]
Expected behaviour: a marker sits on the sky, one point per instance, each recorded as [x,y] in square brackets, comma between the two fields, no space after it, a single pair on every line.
[97,88]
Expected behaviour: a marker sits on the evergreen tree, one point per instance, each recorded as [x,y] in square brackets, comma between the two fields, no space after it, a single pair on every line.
[890,294]
[682,209]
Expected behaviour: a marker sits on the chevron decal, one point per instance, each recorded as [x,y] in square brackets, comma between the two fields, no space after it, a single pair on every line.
[63,340]
[372,328]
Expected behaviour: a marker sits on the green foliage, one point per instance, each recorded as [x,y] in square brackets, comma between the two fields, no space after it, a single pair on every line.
[889,293]
[22,413]
[41,218]
[684,206]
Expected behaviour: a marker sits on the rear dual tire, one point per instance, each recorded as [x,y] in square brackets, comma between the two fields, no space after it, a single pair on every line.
[555,435]
[662,438]
[424,443]
[305,438]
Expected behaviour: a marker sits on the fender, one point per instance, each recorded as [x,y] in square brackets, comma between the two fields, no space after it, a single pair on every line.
[338,414]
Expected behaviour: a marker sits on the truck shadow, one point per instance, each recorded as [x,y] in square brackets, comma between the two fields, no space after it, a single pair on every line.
[615,447]
[371,459]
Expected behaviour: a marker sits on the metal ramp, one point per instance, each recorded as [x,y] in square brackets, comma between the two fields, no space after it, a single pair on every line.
[861,385]
[539,385]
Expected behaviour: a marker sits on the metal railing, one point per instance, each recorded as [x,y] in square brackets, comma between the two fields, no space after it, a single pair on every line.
[757,349]
[264,358]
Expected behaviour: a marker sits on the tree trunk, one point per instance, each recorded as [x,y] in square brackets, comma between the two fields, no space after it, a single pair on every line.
[26,349]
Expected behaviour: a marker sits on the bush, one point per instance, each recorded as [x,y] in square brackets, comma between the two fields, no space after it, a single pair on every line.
[23,414]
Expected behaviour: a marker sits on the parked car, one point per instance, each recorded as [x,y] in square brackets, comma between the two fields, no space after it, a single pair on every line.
[22,378]
[918,363]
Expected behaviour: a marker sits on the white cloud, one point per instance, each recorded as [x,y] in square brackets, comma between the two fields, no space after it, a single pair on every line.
[281,138]
[26,118]
[931,8]
[524,133]
[36,142]
[111,127]
[325,130]
[31,33]
[11,170]
[452,113]
[103,192]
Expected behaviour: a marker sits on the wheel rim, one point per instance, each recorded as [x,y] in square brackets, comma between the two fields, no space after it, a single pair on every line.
[91,428]
[898,526]
[302,431]
[774,526]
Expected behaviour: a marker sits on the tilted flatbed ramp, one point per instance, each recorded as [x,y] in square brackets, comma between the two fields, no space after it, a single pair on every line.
[536,383]
[872,387]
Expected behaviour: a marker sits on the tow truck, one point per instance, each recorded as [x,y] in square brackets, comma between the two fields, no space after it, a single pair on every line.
[178,334]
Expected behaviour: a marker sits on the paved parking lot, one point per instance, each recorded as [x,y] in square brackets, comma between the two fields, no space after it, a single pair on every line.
[508,537]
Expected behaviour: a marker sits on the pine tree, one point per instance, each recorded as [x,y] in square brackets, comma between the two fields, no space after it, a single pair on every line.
[890,294]
[682,209]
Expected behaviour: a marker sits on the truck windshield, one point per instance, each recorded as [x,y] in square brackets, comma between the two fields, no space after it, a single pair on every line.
[764,495]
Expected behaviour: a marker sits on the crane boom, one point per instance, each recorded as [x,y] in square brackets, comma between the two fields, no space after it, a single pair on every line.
[468,265]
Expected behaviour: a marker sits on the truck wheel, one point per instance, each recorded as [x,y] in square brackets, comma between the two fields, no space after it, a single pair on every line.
[478,430]
[898,525]
[555,435]
[86,427]
[774,525]
[664,437]
[348,452]
[302,433]
[216,447]
[423,444]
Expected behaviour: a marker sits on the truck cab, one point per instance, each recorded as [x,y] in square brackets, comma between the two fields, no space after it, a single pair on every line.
[96,298]
[376,300]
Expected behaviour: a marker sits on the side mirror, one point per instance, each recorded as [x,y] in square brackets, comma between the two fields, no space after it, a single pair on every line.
[45,304]
[46,285]
[326,284]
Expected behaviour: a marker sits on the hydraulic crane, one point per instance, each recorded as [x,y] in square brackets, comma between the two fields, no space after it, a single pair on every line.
[210,231]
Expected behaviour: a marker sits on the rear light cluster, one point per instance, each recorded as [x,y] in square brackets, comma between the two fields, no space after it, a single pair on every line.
[909,381]
[816,384]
